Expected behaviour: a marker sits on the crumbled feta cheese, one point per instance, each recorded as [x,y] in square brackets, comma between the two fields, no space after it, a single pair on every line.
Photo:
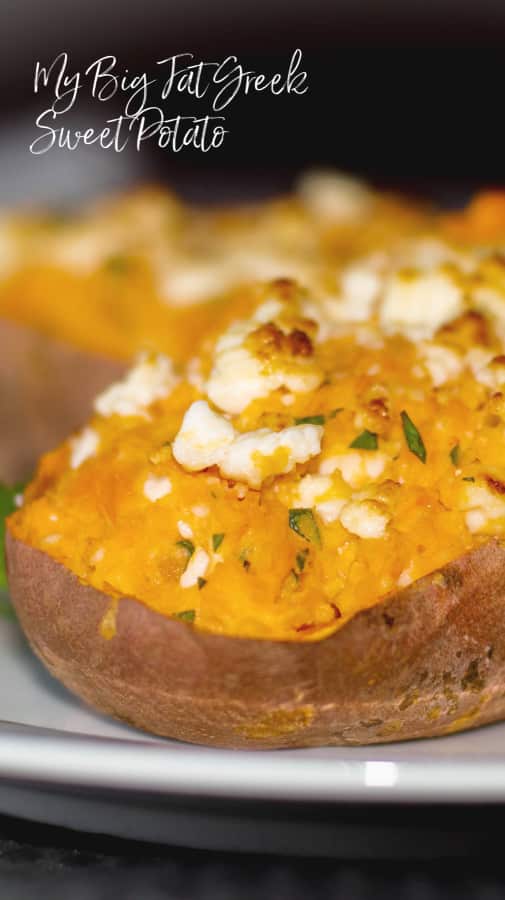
[153,378]
[83,446]
[309,489]
[18,500]
[429,253]
[52,538]
[357,467]
[268,311]
[203,438]
[361,286]
[329,510]
[200,511]
[418,305]
[186,282]
[484,369]
[207,439]
[194,373]
[442,363]
[157,487]
[195,569]
[238,376]
[184,530]
[97,556]
[483,506]
[364,518]
[256,455]
[83,247]
[404,578]
[332,195]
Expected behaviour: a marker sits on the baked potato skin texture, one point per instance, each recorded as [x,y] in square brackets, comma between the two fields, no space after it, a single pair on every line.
[46,390]
[427,661]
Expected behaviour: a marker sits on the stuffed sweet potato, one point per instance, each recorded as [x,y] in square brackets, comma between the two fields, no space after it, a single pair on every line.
[298,538]
[81,295]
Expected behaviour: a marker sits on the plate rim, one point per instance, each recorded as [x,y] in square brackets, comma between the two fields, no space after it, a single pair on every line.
[61,759]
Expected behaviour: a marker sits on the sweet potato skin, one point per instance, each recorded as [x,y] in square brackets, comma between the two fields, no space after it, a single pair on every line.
[46,390]
[427,661]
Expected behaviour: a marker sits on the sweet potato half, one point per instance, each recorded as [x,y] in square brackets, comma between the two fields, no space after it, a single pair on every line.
[46,390]
[427,661]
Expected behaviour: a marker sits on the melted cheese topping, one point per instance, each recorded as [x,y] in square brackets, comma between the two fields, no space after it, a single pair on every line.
[338,460]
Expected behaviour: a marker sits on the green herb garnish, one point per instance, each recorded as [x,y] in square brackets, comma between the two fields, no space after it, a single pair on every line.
[454,454]
[367,440]
[301,559]
[188,546]
[302,521]
[414,440]
[7,506]
[217,540]
[117,264]
[201,583]
[469,478]
[187,615]
[311,420]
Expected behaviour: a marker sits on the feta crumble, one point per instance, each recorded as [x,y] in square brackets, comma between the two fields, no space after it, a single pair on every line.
[83,446]
[418,305]
[195,569]
[153,378]
[155,488]
[364,518]
[207,438]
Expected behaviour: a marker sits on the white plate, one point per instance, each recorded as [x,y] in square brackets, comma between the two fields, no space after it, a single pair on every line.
[86,771]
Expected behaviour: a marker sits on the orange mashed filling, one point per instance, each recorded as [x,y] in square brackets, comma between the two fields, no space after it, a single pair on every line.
[409,475]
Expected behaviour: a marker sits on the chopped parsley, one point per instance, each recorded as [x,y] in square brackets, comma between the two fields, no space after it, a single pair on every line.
[7,506]
[117,264]
[367,440]
[217,540]
[187,615]
[301,559]
[302,522]
[469,478]
[311,420]
[454,454]
[414,440]
[201,583]
[188,546]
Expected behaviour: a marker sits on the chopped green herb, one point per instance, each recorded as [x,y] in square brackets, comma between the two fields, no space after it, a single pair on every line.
[301,559]
[117,265]
[311,420]
[469,478]
[367,440]
[302,521]
[201,583]
[335,412]
[454,454]
[217,540]
[187,615]
[414,440]
[7,506]
[188,546]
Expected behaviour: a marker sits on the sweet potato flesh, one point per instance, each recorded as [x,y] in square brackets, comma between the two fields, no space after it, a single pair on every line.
[407,402]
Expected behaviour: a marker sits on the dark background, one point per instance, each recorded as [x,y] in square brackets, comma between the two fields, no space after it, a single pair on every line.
[407,93]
